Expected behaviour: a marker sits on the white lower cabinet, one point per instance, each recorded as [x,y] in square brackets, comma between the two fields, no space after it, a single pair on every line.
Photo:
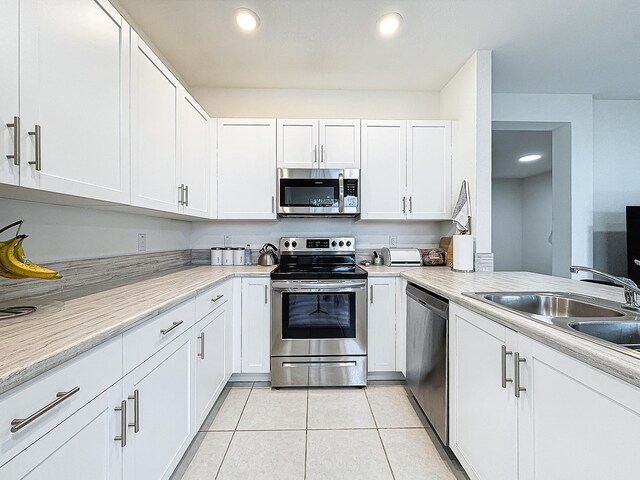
[570,420]
[381,327]
[82,447]
[256,325]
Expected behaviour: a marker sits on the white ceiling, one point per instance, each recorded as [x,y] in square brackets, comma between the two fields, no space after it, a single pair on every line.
[507,146]
[540,46]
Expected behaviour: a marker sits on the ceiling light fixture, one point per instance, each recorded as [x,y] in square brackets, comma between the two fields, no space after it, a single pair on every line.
[530,158]
[246,19]
[388,24]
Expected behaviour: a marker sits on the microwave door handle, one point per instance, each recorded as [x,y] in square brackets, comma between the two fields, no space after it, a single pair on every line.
[341,192]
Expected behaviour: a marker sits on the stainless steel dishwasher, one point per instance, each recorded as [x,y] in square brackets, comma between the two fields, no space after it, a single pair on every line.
[427,355]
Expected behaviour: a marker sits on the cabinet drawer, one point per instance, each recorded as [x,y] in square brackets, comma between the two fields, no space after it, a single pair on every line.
[141,342]
[82,378]
[213,298]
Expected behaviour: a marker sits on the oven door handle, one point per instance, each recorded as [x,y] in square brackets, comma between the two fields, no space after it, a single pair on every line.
[290,286]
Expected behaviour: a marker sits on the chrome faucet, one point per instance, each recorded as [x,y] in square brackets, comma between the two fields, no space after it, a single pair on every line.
[631,290]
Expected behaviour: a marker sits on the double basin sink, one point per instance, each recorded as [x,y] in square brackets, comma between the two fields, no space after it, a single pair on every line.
[594,318]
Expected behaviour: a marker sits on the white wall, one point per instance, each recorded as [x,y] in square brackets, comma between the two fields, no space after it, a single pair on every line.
[506,224]
[616,179]
[578,111]
[290,103]
[467,99]
[537,200]
[58,233]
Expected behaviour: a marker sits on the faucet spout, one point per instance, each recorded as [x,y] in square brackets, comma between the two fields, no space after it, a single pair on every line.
[631,290]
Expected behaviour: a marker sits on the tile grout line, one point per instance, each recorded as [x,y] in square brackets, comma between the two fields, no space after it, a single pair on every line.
[306,437]
[379,436]
[233,434]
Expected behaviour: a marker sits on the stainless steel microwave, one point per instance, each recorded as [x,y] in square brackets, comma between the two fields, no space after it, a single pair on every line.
[311,192]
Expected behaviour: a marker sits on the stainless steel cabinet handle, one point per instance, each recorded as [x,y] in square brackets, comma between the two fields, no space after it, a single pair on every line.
[201,338]
[404,204]
[122,438]
[371,294]
[315,154]
[16,140]
[181,194]
[318,364]
[321,153]
[20,423]
[266,295]
[136,410]
[218,297]
[38,160]
[516,374]
[174,325]
[410,204]
[186,195]
[505,380]
[273,204]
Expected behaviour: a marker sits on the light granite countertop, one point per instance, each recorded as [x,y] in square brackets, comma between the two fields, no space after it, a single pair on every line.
[67,325]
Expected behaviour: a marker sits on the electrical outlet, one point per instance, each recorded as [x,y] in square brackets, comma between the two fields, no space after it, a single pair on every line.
[142,242]
[393,241]
[227,240]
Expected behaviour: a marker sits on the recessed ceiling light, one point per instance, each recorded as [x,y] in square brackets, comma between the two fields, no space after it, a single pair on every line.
[530,158]
[388,24]
[246,19]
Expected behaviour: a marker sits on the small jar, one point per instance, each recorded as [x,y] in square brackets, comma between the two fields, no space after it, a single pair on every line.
[227,256]
[216,256]
[238,256]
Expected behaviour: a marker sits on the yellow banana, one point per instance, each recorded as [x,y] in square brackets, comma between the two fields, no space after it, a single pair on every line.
[14,260]
[3,271]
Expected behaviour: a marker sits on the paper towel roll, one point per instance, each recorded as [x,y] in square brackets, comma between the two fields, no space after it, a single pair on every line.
[463,253]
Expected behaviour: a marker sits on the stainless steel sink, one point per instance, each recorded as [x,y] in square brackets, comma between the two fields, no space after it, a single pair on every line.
[623,333]
[553,305]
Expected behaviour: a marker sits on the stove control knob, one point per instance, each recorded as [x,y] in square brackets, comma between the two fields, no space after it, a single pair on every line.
[294,244]
[348,243]
[334,243]
[286,244]
[341,244]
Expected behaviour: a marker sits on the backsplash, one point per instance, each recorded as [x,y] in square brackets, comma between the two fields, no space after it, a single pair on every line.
[83,273]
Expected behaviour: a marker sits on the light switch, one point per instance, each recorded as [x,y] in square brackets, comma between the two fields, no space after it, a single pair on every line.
[142,242]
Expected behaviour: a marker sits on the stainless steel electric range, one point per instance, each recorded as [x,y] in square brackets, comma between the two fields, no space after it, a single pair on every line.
[319,314]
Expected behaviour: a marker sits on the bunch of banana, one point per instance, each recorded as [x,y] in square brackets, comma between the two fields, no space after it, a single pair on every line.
[15,264]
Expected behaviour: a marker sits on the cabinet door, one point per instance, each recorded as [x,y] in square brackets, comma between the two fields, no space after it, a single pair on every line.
[195,157]
[384,170]
[74,86]
[339,144]
[9,171]
[154,129]
[382,325]
[164,386]
[483,415]
[576,422]
[246,169]
[213,175]
[298,144]
[210,361]
[429,170]
[83,446]
[256,325]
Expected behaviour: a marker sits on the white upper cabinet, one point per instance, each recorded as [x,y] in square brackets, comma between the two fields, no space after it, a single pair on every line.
[246,169]
[384,170]
[195,158]
[74,91]
[154,131]
[318,143]
[9,168]
[429,170]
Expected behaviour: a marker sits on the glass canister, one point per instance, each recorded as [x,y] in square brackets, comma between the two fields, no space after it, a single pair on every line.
[238,256]
[216,256]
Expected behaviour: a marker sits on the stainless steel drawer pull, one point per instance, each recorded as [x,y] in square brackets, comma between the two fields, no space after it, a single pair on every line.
[315,154]
[136,410]
[516,374]
[20,423]
[38,160]
[404,204]
[318,364]
[321,153]
[266,295]
[174,325]
[273,204]
[505,380]
[371,294]
[122,438]
[16,140]
[186,195]
[216,298]
[410,204]
[181,194]
[201,338]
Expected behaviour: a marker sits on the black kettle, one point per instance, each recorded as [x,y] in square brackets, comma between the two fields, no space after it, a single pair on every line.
[268,255]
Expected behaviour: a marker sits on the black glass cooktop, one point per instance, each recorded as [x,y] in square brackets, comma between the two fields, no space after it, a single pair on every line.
[322,269]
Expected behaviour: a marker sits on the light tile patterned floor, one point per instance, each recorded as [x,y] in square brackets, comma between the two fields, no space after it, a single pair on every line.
[255,432]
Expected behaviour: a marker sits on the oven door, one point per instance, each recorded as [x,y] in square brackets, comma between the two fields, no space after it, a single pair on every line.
[321,317]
